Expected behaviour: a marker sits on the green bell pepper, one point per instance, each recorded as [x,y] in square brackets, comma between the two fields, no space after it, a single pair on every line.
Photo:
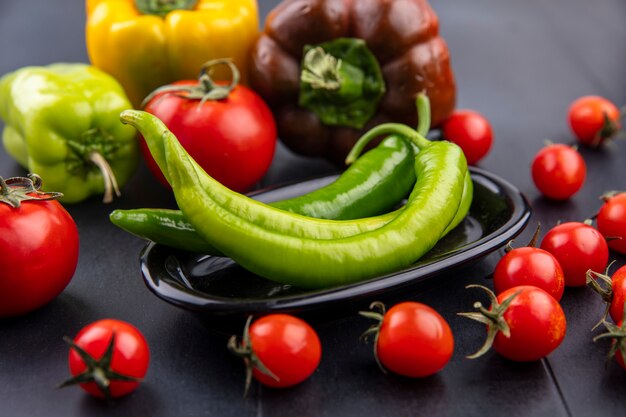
[62,122]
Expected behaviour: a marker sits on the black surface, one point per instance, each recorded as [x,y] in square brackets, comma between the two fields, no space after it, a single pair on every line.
[518,62]
[221,290]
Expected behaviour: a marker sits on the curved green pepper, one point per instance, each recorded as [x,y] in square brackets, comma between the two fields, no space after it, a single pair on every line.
[238,225]
[62,122]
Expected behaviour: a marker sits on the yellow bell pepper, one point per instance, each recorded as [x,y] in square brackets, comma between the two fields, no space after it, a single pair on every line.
[145,44]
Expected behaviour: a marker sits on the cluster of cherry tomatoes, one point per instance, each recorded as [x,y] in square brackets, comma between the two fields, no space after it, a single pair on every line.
[558,170]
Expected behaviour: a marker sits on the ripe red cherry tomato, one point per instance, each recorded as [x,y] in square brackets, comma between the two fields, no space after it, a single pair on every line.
[232,138]
[535,321]
[558,171]
[529,266]
[593,120]
[611,221]
[413,339]
[286,346]
[127,364]
[578,247]
[38,249]
[613,290]
[471,131]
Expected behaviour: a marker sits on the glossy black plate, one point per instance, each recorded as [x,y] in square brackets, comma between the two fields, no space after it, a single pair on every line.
[218,286]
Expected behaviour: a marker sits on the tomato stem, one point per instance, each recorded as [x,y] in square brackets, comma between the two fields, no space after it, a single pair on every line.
[618,334]
[374,329]
[17,189]
[98,371]
[245,351]
[206,88]
[492,317]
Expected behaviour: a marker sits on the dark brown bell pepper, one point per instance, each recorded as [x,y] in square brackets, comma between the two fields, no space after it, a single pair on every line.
[317,61]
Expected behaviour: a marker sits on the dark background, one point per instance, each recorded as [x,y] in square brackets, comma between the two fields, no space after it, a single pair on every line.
[520,63]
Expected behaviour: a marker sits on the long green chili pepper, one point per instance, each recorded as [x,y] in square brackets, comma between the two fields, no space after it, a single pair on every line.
[372,185]
[238,225]
[171,228]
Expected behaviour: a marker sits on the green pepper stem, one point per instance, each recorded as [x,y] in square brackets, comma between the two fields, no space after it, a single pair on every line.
[386,129]
[321,70]
[163,7]
[110,182]
[423,114]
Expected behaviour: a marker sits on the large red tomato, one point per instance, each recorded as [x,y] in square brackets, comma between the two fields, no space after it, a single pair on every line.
[38,247]
[233,138]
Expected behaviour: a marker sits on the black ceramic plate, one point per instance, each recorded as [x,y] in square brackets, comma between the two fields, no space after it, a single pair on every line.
[218,286]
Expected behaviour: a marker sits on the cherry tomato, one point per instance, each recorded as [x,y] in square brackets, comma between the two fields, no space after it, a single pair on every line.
[611,221]
[613,291]
[471,131]
[232,138]
[534,319]
[529,266]
[593,120]
[122,370]
[578,247]
[38,249]
[558,171]
[413,339]
[286,346]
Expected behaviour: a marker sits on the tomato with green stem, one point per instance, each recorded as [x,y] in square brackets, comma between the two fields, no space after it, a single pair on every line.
[108,358]
[594,120]
[611,220]
[524,323]
[411,339]
[558,171]
[578,247]
[279,350]
[39,246]
[228,129]
[612,289]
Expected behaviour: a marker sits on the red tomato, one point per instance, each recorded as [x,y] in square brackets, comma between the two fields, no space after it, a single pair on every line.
[578,247]
[536,321]
[233,138]
[593,120]
[471,131]
[38,253]
[558,171]
[611,221]
[414,340]
[287,346]
[614,291]
[529,266]
[130,357]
